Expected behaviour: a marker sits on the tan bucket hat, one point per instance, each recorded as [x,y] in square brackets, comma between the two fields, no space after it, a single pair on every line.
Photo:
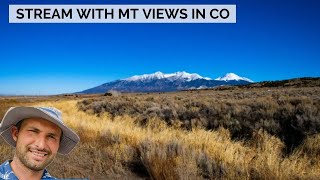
[15,114]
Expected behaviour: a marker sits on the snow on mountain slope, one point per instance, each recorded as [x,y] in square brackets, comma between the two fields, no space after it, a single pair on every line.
[156,75]
[183,76]
[232,76]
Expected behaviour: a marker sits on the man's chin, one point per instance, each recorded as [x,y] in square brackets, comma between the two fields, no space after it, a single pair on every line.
[38,164]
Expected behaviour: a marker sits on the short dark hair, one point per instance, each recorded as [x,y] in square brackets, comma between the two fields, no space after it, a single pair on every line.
[18,125]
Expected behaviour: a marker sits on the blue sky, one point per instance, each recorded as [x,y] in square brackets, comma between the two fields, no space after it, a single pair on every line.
[272,40]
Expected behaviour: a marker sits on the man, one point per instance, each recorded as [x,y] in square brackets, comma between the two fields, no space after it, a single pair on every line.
[38,134]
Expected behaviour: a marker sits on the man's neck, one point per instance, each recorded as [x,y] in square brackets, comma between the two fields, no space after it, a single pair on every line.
[24,173]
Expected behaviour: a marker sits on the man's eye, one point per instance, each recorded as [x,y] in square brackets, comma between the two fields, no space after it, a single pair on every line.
[52,137]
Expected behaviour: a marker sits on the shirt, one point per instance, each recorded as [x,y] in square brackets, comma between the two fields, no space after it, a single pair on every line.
[7,173]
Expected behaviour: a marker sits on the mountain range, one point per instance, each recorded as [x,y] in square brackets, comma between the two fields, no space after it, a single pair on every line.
[160,82]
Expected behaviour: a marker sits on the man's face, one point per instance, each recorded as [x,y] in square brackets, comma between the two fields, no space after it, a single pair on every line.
[37,143]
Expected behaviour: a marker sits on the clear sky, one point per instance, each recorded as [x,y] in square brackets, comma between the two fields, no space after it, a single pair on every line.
[272,40]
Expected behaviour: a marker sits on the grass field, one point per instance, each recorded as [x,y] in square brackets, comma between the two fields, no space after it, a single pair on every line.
[144,143]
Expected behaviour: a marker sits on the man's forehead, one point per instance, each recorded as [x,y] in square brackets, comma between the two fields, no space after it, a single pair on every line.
[40,122]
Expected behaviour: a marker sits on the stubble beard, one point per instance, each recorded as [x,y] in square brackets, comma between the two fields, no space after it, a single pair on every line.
[23,154]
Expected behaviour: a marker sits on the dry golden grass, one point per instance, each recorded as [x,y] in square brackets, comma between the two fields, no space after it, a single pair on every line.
[119,148]
[288,113]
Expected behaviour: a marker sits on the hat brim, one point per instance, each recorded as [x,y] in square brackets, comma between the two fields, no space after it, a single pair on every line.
[15,114]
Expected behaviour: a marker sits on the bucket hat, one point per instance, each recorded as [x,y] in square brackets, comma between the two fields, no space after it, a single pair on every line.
[15,114]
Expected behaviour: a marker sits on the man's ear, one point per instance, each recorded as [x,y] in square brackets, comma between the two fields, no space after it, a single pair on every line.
[14,133]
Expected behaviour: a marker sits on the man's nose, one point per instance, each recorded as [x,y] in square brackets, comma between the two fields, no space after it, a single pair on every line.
[40,142]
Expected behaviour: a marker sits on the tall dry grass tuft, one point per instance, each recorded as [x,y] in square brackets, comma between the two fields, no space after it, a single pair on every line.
[166,161]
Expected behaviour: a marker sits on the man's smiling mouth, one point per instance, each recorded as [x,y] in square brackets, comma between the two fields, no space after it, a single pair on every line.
[39,153]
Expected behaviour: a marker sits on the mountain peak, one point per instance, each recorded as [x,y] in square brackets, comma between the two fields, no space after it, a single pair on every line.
[232,76]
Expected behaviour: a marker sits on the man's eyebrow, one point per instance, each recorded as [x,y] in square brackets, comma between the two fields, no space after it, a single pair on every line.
[33,128]
[53,134]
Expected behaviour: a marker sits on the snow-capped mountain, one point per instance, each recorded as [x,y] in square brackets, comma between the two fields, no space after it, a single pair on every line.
[160,82]
[182,76]
[231,77]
